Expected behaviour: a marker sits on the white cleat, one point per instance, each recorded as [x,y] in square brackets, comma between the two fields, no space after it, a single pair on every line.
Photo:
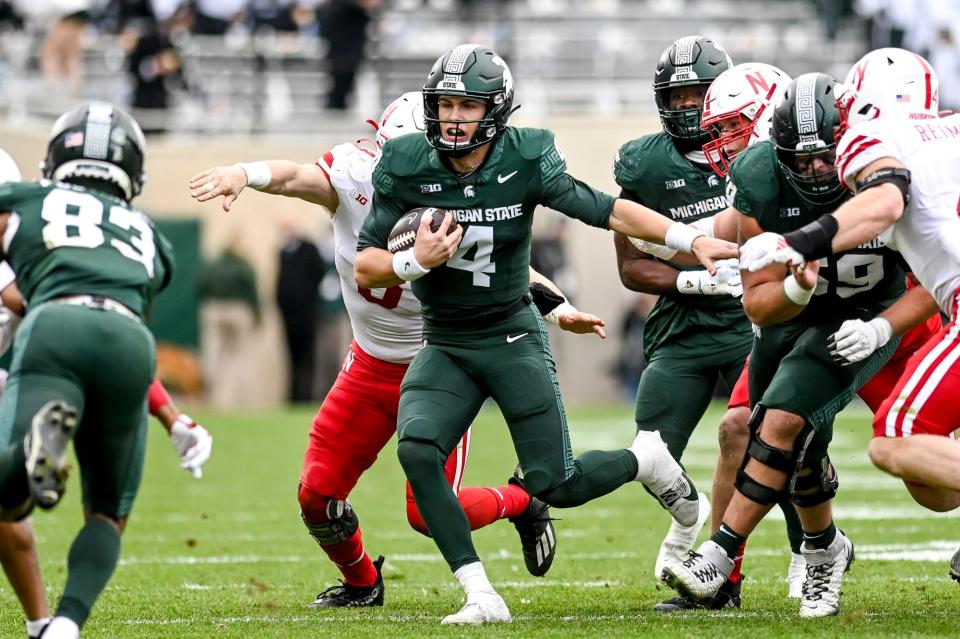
[680,539]
[481,607]
[796,574]
[825,568]
[661,473]
[701,575]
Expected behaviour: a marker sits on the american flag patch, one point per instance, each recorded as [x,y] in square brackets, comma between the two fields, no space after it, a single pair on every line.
[73,139]
[903,97]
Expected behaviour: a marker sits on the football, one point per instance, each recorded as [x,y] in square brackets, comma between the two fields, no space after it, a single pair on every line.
[404,232]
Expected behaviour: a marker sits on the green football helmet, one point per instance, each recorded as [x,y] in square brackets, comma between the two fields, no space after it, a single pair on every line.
[100,142]
[475,72]
[690,61]
[802,132]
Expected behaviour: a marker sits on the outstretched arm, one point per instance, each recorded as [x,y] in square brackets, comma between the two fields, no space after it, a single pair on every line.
[278,177]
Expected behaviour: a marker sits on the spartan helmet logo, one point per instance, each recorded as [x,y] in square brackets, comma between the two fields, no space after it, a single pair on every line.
[468,191]
[713,180]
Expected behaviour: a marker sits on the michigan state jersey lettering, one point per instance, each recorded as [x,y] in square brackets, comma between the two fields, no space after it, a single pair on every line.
[651,171]
[495,205]
[63,239]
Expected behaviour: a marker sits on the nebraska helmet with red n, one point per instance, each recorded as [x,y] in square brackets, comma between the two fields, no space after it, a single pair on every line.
[749,92]
[402,116]
[888,83]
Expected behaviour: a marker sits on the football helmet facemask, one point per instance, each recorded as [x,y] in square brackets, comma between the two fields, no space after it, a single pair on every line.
[888,82]
[402,116]
[475,72]
[97,141]
[749,93]
[690,61]
[803,132]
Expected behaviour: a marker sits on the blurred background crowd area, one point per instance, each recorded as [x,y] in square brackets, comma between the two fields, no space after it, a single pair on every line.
[255,316]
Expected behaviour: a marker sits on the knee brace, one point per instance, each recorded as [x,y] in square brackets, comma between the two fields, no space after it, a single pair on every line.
[786,461]
[816,483]
[340,521]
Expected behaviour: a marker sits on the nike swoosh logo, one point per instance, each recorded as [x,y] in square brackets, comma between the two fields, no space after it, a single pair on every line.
[503,178]
[512,338]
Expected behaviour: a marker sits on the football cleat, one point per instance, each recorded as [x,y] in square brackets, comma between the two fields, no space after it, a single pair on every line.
[664,477]
[481,607]
[702,575]
[955,566]
[796,574]
[45,447]
[680,539]
[538,539]
[347,596]
[727,597]
[825,568]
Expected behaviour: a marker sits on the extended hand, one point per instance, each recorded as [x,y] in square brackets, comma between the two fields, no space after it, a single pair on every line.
[582,323]
[857,340]
[227,181]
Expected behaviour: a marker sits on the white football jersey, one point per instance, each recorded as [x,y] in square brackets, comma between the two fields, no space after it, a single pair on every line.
[386,322]
[928,233]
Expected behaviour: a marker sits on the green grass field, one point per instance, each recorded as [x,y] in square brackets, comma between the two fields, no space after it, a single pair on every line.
[227,556]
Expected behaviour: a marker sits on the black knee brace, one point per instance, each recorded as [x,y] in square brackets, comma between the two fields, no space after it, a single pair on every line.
[816,483]
[341,524]
[786,461]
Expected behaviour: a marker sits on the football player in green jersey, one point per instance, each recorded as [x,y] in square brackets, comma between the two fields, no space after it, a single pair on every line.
[697,331]
[88,265]
[482,337]
[781,188]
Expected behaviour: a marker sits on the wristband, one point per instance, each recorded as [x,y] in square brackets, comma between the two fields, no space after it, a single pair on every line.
[706,224]
[259,174]
[796,293]
[406,266]
[554,315]
[883,329]
[681,237]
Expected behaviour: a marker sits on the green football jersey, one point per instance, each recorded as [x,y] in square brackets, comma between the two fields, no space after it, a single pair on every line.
[494,204]
[870,275]
[68,240]
[651,171]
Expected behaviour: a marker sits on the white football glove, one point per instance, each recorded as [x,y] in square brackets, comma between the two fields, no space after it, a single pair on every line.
[765,249]
[857,340]
[193,443]
[725,282]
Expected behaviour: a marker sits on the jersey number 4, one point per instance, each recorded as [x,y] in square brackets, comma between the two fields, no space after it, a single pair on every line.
[74,218]
[478,239]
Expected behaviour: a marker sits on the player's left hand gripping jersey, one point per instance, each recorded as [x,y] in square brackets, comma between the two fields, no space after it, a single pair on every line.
[495,204]
[928,233]
[67,240]
[869,276]
[386,323]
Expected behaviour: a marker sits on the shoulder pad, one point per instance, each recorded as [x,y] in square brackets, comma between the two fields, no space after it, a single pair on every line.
[404,155]
[347,164]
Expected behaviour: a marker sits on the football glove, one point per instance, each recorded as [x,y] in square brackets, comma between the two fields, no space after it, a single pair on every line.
[193,443]
[726,281]
[857,340]
[765,249]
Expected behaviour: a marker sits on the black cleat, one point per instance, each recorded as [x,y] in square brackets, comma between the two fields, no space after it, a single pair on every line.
[727,597]
[538,539]
[955,566]
[45,447]
[347,596]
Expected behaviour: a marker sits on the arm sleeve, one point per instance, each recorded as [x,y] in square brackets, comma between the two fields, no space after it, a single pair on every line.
[578,200]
